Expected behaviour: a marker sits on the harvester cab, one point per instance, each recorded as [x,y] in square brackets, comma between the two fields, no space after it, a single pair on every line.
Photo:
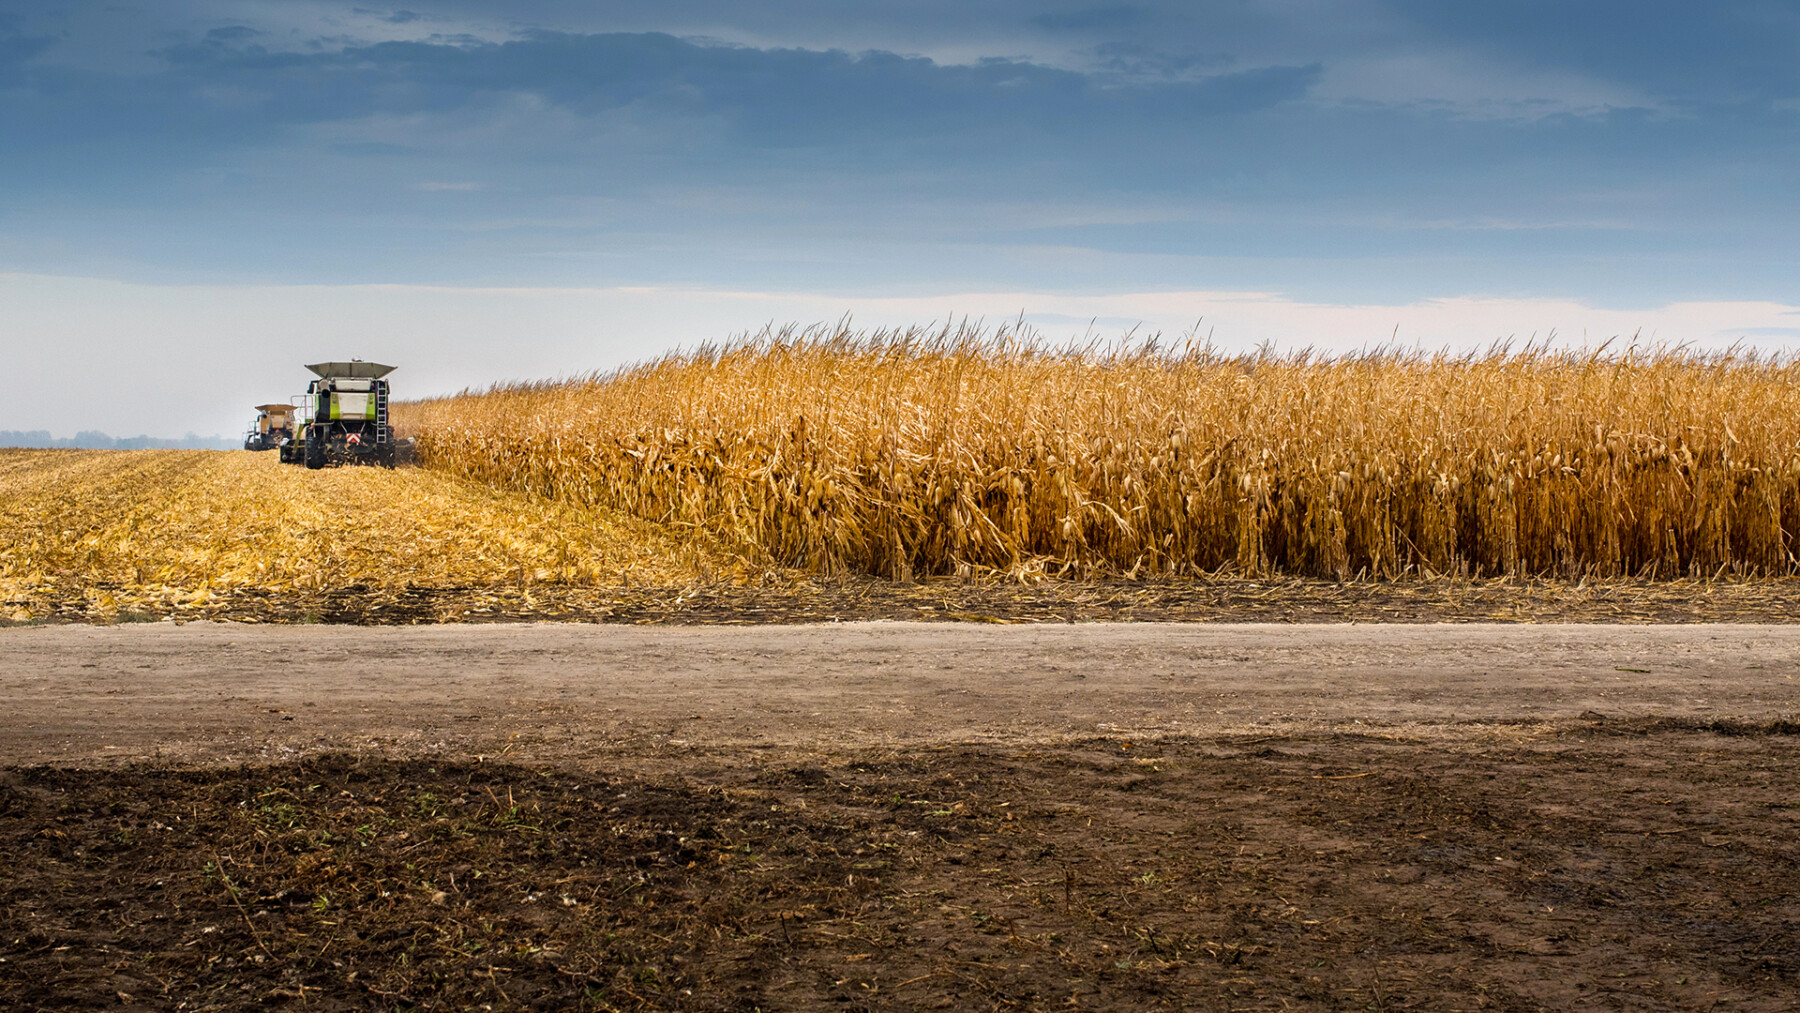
[274,423]
[344,416]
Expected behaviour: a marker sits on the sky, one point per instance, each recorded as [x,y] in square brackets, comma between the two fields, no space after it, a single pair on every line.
[211,192]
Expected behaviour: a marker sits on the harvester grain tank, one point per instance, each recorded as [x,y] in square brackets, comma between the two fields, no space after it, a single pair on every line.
[274,423]
[347,415]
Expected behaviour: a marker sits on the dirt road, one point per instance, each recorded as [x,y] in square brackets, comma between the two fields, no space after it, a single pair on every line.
[217,692]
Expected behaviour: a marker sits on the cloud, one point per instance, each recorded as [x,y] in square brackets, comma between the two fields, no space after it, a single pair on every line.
[231,34]
[1307,146]
[231,91]
[1474,84]
[779,96]
[1136,60]
[401,17]
[15,51]
[1725,51]
[1092,19]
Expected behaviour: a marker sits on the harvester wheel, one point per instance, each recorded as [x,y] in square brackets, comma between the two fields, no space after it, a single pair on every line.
[315,455]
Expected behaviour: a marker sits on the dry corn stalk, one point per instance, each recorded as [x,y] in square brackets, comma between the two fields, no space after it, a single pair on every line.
[910,453]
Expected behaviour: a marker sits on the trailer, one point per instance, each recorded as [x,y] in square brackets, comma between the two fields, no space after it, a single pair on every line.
[274,423]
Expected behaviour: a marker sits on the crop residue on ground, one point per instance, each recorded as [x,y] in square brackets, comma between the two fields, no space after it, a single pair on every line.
[1649,868]
[146,533]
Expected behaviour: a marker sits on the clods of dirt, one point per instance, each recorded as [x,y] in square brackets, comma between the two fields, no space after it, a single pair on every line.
[1654,870]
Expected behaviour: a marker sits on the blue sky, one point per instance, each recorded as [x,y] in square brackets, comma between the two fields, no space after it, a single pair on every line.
[1566,165]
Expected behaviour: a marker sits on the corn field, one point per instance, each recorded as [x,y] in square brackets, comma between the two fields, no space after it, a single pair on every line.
[908,454]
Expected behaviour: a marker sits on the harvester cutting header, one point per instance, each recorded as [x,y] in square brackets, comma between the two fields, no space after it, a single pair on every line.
[344,417]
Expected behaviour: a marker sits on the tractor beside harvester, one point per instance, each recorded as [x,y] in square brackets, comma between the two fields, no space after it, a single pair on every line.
[274,423]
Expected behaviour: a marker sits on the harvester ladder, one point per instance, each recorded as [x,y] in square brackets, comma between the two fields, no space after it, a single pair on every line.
[381,406]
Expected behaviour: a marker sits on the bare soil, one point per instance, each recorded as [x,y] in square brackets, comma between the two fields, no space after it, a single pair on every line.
[1636,869]
[900,816]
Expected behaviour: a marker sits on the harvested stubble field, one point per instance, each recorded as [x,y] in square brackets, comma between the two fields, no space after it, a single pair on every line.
[125,535]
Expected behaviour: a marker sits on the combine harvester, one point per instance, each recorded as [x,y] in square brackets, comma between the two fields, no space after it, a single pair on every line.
[344,418]
[274,423]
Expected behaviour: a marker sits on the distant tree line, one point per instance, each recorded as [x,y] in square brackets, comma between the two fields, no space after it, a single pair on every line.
[94,440]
